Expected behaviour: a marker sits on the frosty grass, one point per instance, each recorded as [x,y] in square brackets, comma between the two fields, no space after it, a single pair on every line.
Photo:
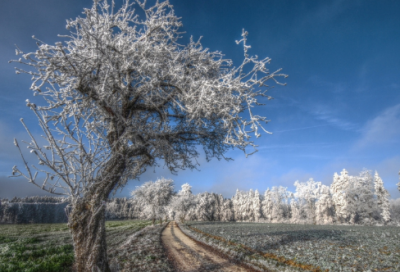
[48,247]
[333,247]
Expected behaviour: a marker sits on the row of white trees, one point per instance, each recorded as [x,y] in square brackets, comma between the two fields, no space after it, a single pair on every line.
[350,199]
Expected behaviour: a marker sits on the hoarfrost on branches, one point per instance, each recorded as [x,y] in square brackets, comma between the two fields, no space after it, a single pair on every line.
[120,93]
[138,95]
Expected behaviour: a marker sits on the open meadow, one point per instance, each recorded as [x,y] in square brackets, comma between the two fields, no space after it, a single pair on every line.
[333,247]
[48,247]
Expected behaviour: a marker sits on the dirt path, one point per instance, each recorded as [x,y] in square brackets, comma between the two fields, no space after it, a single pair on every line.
[188,255]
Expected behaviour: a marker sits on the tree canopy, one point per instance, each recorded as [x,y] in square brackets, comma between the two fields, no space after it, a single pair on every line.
[122,92]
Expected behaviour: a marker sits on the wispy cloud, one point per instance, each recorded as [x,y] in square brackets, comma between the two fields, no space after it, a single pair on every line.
[291,146]
[382,130]
[295,129]
[324,113]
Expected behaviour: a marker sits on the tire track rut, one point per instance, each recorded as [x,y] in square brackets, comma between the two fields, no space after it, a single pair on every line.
[189,256]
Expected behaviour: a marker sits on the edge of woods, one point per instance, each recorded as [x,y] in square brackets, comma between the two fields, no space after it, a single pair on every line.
[132,245]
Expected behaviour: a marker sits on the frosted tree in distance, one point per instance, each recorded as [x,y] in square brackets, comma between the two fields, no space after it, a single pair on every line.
[360,197]
[267,205]
[186,190]
[338,190]
[123,92]
[154,197]
[324,207]
[383,198]
[257,205]
[182,202]
[308,191]
[279,195]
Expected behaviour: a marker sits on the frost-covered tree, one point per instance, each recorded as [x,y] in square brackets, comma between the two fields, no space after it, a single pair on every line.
[243,205]
[181,203]
[338,190]
[353,197]
[207,207]
[154,197]
[227,213]
[296,216]
[267,205]
[256,206]
[123,92]
[186,190]
[383,198]
[395,210]
[360,201]
[324,207]
[279,196]
[308,191]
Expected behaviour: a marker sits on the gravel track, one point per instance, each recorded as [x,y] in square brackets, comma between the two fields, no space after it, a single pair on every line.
[188,255]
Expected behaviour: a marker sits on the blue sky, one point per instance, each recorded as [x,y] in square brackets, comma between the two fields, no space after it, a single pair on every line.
[340,108]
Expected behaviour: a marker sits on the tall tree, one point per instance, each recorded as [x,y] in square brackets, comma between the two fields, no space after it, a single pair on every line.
[279,195]
[360,197]
[257,205]
[267,205]
[338,189]
[324,207]
[123,92]
[383,198]
[310,192]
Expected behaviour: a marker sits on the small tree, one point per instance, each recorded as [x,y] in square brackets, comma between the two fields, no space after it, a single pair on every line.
[154,196]
[122,93]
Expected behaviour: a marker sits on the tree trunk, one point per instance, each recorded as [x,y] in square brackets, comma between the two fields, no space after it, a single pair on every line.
[87,225]
[87,219]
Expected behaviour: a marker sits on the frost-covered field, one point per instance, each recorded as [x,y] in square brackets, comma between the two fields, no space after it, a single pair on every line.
[48,247]
[333,247]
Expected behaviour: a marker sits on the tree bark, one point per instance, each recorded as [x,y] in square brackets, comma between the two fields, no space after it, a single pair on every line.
[87,220]
[87,225]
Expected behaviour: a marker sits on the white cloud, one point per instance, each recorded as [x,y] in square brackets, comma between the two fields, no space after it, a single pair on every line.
[382,130]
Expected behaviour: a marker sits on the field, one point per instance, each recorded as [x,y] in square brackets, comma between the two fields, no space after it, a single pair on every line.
[48,247]
[333,247]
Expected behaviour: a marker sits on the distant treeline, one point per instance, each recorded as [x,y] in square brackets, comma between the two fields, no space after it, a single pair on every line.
[48,209]
[349,200]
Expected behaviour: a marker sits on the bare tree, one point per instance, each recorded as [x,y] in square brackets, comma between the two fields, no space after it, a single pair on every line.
[121,93]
